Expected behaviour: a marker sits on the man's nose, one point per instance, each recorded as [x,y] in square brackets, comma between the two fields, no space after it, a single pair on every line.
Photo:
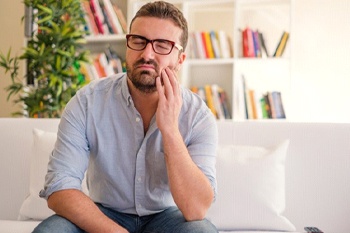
[148,52]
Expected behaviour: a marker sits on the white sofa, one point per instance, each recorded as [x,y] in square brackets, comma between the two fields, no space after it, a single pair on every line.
[316,188]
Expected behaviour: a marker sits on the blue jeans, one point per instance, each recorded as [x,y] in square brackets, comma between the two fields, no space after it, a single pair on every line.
[169,221]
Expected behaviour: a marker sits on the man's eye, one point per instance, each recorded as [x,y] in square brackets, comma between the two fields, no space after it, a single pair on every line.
[163,45]
[138,41]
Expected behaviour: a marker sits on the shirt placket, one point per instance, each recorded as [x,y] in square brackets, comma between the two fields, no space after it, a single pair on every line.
[140,173]
[140,166]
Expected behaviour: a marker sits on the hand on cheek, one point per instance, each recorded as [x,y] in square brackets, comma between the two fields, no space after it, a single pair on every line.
[170,100]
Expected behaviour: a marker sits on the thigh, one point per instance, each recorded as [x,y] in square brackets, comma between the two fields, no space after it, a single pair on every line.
[57,224]
[128,221]
[172,221]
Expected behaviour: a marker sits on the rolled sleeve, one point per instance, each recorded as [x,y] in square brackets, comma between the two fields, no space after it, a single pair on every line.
[70,157]
[58,181]
[203,147]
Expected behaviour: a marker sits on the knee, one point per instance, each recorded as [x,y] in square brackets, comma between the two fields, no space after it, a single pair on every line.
[202,226]
[56,224]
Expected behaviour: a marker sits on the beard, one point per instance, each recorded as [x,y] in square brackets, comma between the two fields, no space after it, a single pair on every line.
[144,80]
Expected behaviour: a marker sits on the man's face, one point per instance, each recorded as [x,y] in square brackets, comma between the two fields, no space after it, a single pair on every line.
[144,66]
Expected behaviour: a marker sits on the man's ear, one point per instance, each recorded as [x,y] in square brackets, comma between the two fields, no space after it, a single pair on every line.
[181,59]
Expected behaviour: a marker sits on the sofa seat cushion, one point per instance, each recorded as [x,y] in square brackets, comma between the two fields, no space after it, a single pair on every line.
[257,232]
[11,226]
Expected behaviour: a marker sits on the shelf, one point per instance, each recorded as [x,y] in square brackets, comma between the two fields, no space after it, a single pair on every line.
[216,61]
[106,38]
[221,61]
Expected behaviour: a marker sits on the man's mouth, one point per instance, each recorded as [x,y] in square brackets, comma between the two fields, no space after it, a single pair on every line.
[145,67]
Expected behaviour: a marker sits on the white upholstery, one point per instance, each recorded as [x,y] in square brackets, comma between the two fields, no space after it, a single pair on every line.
[317,168]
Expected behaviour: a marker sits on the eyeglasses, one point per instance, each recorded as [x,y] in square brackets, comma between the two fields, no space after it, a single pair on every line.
[160,46]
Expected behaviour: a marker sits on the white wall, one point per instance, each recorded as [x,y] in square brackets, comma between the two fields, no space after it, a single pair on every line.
[321,61]
[320,51]
[12,35]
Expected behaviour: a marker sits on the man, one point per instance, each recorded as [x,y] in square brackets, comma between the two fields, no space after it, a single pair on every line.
[148,145]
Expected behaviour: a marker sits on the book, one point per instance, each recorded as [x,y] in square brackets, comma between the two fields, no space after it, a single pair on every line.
[112,17]
[217,102]
[105,64]
[272,105]
[121,17]
[267,105]
[248,43]
[239,106]
[278,105]
[93,71]
[215,98]
[208,45]
[264,110]
[200,45]
[108,21]
[215,44]
[258,106]
[224,43]
[114,60]
[257,49]
[263,48]
[98,16]
[253,106]
[281,44]
[86,72]
[99,68]
[89,18]
[192,46]
[209,98]
[224,103]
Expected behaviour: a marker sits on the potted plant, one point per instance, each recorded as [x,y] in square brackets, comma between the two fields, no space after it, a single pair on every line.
[53,54]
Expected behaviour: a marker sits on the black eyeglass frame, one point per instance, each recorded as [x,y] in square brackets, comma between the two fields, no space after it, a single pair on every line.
[173,44]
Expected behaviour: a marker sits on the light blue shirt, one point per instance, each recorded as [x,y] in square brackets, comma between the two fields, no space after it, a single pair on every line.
[102,132]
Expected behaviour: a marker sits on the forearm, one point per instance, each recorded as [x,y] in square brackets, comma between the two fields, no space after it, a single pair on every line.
[82,211]
[190,188]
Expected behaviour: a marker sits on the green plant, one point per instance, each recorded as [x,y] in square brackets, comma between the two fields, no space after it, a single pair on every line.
[52,55]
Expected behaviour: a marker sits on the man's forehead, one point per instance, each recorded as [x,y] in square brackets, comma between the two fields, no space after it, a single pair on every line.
[155,28]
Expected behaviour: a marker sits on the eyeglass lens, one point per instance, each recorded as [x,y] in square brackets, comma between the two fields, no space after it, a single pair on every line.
[159,46]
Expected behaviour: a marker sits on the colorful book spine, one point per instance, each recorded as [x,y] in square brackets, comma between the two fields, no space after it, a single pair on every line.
[216,99]
[209,44]
[281,45]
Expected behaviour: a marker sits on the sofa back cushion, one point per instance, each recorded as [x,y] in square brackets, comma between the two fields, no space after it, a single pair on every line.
[251,188]
[16,141]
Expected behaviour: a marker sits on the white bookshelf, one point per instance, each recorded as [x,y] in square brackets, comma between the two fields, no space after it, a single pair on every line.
[271,17]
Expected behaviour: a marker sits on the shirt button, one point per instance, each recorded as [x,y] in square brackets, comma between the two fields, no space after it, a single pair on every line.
[137,119]
[139,179]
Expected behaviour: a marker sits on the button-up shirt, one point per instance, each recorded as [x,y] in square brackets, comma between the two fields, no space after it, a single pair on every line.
[102,132]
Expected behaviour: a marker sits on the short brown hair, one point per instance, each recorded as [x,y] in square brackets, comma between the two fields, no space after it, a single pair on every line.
[165,10]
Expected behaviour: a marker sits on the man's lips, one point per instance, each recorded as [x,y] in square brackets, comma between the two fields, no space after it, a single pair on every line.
[145,66]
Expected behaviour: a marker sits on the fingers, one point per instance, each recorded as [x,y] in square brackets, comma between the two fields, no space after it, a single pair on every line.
[170,101]
[170,82]
[159,85]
